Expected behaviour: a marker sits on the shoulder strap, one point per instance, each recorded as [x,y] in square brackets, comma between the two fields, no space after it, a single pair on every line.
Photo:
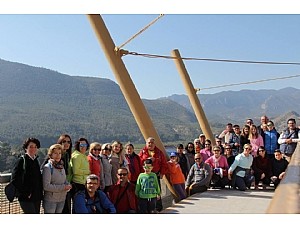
[121,196]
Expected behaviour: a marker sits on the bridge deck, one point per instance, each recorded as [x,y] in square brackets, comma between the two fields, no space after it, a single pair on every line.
[226,201]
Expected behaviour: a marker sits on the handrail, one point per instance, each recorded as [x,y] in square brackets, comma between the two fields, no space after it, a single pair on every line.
[286,199]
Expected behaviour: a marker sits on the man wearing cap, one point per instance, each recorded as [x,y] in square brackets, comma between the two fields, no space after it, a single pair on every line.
[202,139]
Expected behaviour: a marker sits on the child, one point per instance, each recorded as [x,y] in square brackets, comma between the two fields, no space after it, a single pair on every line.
[176,176]
[147,189]
[279,165]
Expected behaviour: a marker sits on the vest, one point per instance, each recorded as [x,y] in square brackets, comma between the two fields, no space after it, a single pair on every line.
[289,149]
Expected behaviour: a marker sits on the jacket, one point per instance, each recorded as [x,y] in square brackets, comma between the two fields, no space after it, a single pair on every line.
[83,204]
[80,167]
[135,166]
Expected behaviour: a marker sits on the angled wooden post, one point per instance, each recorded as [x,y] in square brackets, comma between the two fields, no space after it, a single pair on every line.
[193,96]
[126,85]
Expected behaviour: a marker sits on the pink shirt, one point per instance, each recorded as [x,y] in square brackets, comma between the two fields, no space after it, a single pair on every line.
[256,143]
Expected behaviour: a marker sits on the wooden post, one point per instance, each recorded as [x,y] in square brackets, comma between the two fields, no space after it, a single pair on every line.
[195,102]
[126,85]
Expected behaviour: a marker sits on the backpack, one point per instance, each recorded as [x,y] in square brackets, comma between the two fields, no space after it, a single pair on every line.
[10,190]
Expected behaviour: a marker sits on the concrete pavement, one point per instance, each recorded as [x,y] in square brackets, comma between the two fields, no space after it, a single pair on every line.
[225,201]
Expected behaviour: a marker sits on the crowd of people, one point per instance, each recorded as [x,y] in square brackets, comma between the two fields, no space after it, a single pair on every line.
[110,178]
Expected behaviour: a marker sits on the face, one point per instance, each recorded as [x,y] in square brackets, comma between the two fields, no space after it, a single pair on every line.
[96,150]
[190,146]
[198,158]
[202,139]
[229,127]
[179,150]
[147,168]
[247,149]
[173,158]
[92,186]
[207,145]
[218,141]
[270,126]
[83,146]
[278,156]
[253,130]
[249,122]
[32,148]
[217,153]
[129,149]
[291,124]
[197,143]
[56,154]
[106,151]
[262,152]
[116,148]
[66,143]
[122,175]
[150,144]
[246,130]
[237,130]
[227,150]
[263,119]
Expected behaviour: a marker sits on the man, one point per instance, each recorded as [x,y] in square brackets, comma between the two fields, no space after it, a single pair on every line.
[278,167]
[202,139]
[91,200]
[122,194]
[289,138]
[199,177]
[271,139]
[263,121]
[226,133]
[159,162]
[235,140]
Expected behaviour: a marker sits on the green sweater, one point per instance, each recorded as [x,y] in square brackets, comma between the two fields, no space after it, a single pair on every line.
[80,167]
[147,186]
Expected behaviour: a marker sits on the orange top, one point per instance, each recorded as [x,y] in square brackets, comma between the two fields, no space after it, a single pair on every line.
[176,175]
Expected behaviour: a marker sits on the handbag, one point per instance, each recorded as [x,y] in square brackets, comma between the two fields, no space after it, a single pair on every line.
[11,192]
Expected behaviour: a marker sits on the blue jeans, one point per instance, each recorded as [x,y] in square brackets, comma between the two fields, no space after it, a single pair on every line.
[53,207]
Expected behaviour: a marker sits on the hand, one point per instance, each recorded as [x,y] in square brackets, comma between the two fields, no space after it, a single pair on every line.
[262,176]
[281,175]
[229,176]
[68,187]
[288,141]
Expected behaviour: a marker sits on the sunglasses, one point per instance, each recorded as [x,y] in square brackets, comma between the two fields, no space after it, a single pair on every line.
[83,145]
[122,174]
[197,159]
[216,150]
[97,149]
[261,150]
[64,141]
[247,148]
[147,167]
[228,148]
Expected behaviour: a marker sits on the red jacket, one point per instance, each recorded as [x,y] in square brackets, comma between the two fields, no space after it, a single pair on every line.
[123,202]
[135,166]
[159,163]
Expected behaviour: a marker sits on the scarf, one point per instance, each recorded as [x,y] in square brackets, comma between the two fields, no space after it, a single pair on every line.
[57,165]
[94,156]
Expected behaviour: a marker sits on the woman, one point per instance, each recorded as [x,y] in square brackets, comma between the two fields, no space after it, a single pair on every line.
[66,142]
[134,163]
[117,159]
[256,140]
[79,166]
[240,171]
[107,167]
[190,153]
[29,182]
[262,168]
[244,136]
[95,163]
[219,165]
[206,152]
[55,182]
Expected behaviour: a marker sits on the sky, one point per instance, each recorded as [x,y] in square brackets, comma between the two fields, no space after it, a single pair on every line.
[66,42]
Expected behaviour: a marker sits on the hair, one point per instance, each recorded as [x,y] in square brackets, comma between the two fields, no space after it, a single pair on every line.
[29,140]
[121,153]
[180,145]
[93,145]
[187,147]
[123,168]
[148,161]
[76,146]
[208,140]
[129,144]
[291,119]
[277,151]
[243,130]
[251,136]
[216,147]
[236,126]
[92,177]
[54,147]
[150,138]
[61,139]
[247,144]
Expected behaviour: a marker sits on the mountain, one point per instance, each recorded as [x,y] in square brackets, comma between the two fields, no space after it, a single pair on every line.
[44,103]
[239,105]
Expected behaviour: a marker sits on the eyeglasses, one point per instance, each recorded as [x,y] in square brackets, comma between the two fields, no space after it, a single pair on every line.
[97,149]
[247,148]
[64,141]
[216,150]
[197,159]
[227,148]
[83,145]
[147,167]
[122,174]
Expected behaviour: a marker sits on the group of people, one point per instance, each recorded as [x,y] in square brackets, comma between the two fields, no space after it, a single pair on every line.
[110,178]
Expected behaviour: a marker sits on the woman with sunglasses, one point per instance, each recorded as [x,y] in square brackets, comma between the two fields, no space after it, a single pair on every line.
[107,167]
[95,163]
[240,171]
[79,165]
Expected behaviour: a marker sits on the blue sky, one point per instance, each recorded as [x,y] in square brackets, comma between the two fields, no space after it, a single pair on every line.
[66,43]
